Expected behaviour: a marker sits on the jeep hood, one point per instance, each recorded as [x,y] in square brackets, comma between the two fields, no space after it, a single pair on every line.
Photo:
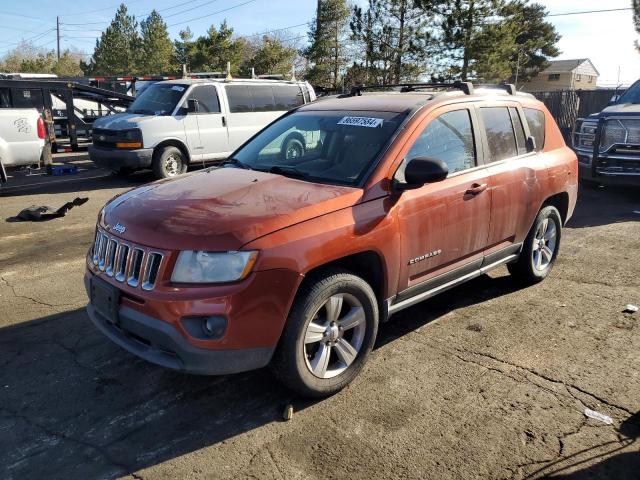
[220,209]
[122,121]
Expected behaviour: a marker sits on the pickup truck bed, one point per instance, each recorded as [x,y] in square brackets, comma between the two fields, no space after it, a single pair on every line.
[21,136]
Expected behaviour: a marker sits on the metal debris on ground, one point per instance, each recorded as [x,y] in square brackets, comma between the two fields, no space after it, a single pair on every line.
[601,417]
[39,213]
[288,413]
[629,308]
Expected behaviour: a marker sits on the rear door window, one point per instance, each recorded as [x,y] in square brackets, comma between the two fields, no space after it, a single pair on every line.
[535,120]
[262,96]
[500,135]
[207,98]
[287,96]
[28,98]
[448,138]
[240,99]
[519,130]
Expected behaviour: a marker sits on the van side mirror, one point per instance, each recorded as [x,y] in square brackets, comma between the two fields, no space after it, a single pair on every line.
[531,144]
[421,170]
[192,105]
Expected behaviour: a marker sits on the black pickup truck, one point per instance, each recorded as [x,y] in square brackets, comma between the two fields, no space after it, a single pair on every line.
[608,143]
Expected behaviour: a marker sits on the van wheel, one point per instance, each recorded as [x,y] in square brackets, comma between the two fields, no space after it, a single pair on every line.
[330,331]
[540,248]
[168,162]
[293,147]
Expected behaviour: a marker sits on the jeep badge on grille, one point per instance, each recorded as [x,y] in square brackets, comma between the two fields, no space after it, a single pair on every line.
[118,228]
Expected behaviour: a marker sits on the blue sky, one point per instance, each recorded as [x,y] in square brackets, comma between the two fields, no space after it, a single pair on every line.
[606,38]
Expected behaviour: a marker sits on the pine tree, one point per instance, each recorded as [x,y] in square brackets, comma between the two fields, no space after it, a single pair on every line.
[269,55]
[213,51]
[157,49]
[184,49]
[395,36]
[635,4]
[327,37]
[117,51]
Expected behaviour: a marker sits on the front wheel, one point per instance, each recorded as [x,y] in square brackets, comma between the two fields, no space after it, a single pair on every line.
[330,331]
[540,248]
[169,162]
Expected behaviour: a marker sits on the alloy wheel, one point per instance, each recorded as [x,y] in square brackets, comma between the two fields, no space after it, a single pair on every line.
[544,244]
[334,336]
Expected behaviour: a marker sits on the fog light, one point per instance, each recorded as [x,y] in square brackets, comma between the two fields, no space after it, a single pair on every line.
[214,326]
[205,328]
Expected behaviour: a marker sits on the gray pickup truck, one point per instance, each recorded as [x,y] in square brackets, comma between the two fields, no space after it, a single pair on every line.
[608,143]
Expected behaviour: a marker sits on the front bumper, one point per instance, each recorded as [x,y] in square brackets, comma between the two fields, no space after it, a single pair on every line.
[149,324]
[607,175]
[115,159]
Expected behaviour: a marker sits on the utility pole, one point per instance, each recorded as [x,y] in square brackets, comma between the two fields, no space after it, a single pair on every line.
[517,70]
[58,35]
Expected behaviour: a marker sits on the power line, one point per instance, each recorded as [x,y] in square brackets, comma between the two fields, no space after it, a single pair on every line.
[100,9]
[589,11]
[211,14]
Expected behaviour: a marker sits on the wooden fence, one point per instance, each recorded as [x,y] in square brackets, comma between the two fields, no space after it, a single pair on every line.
[567,106]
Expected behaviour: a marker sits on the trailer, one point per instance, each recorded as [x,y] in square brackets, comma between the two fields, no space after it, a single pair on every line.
[61,101]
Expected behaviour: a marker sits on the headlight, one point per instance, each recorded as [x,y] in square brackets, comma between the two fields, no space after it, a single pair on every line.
[130,139]
[212,267]
[585,134]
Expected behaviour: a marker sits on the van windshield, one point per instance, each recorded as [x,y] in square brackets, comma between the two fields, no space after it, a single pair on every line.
[158,99]
[336,147]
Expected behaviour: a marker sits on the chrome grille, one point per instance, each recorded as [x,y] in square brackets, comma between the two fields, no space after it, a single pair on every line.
[619,131]
[135,265]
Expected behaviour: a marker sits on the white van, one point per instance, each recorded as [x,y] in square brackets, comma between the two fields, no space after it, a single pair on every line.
[177,122]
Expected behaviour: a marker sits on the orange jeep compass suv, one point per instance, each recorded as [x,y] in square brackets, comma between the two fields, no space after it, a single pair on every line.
[327,222]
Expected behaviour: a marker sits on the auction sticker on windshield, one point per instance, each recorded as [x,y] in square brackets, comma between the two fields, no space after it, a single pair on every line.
[368,122]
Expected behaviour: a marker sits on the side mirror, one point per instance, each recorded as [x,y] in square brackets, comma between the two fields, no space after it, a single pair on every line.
[421,170]
[531,144]
[614,100]
[192,105]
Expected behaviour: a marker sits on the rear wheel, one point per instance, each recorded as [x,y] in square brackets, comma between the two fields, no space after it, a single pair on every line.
[329,333]
[540,248]
[169,162]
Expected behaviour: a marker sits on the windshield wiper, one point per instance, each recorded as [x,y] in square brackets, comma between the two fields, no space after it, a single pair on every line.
[288,171]
[235,163]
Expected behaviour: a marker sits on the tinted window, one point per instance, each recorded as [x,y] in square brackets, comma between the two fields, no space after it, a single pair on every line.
[240,99]
[262,98]
[207,99]
[502,141]
[448,138]
[535,120]
[519,129]
[5,98]
[287,96]
[28,98]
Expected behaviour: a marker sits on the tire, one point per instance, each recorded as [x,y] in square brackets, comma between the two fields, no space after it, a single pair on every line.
[294,147]
[298,363]
[537,258]
[169,162]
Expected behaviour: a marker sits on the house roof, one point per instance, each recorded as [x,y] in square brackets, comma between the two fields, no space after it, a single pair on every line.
[565,66]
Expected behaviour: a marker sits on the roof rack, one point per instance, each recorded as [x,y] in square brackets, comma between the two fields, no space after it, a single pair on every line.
[466,87]
[510,88]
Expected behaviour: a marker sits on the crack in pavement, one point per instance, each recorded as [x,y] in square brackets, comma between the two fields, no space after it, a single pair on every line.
[34,300]
[52,433]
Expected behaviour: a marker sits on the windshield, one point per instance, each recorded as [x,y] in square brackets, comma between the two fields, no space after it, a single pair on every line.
[158,99]
[325,146]
[632,95]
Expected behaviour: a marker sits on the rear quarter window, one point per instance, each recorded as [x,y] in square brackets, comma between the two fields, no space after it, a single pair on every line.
[536,121]
[287,96]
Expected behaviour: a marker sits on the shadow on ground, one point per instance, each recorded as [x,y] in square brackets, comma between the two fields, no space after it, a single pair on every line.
[73,405]
[613,204]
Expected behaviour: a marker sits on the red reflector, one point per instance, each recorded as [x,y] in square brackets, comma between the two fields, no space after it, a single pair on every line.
[41,131]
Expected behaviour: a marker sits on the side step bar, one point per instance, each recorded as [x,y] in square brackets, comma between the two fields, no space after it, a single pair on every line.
[409,302]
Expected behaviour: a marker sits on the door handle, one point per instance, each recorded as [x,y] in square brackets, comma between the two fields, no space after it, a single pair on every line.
[224,121]
[476,189]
